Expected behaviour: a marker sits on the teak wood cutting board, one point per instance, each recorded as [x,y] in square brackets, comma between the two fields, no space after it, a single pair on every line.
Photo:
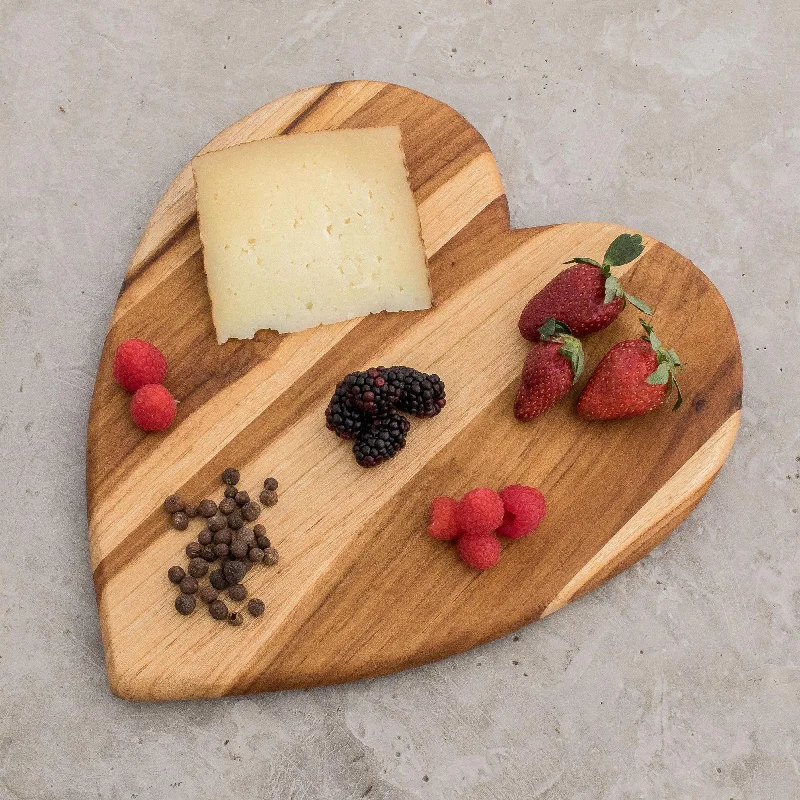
[360,589]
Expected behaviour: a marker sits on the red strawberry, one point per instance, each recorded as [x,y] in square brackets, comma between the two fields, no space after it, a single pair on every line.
[634,377]
[552,366]
[586,297]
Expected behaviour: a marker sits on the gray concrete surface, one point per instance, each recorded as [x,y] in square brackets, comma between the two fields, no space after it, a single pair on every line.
[680,679]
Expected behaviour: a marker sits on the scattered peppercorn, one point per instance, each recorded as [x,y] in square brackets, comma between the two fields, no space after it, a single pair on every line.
[255,607]
[256,555]
[268,497]
[234,571]
[235,520]
[189,585]
[176,574]
[238,549]
[271,556]
[251,511]
[193,549]
[228,506]
[173,504]
[205,536]
[217,523]
[223,537]
[263,541]
[198,567]
[220,549]
[237,592]
[236,618]
[247,536]
[217,579]
[271,484]
[190,511]
[208,594]
[185,604]
[242,498]
[230,492]
[207,508]
[208,554]
[218,609]
[230,476]
[180,521]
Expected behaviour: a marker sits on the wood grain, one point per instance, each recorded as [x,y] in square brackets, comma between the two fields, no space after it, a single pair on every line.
[360,589]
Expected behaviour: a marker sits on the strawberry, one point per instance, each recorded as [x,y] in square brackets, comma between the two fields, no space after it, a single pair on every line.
[553,364]
[634,377]
[586,297]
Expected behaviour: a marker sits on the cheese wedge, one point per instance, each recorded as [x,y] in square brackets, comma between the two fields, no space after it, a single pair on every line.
[308,229]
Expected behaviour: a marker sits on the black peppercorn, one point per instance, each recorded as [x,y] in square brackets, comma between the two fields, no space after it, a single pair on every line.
[217,579]
[236,618]
[230,476]
[256,555]
[235,520]
[193,549]
[238,549]
[220,549]
[247,536]
[218,609]
[263,542]
[205,536]
[208,594]
[242,498]
[255,607]
[237,592]
[189,585]
[190,511]
[176,574]
[208,554]
[185,604]
[180,521]
[234,571]
[271,484]
[217,523]
[230,492]
[251,510]
[227,506]
[173,504]
[198,567]
[223,537]
[271,556]
[207,508]
[268,497]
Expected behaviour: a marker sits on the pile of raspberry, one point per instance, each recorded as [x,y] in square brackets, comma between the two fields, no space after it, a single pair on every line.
[366,407]
[482,514]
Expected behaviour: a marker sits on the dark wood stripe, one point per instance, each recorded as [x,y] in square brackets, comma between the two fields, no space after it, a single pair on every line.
[310,109]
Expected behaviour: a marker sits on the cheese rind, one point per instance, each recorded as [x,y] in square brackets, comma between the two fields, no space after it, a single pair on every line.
[307,229]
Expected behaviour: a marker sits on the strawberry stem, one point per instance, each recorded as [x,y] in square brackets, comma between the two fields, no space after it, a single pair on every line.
[554,331]
[668,364]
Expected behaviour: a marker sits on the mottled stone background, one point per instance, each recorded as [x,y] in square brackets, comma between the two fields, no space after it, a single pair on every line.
[680,679]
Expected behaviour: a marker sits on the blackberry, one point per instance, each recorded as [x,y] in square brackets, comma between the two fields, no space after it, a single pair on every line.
[418,393]
[341,417]
[371,393]
[382,440]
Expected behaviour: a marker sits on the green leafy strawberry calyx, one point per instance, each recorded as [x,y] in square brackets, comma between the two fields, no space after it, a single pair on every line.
[624,249]
[668,364]
[571,349]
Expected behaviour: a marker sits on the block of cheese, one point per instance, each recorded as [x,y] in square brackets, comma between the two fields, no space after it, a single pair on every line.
[307,229]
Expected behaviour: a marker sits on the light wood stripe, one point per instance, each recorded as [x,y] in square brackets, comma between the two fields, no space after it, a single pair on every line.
[697,471]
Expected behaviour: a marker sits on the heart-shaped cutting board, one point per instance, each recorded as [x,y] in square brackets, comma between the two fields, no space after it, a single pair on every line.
[360,589]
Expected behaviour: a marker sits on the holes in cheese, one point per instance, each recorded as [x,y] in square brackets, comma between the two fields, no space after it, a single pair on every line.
[308,229]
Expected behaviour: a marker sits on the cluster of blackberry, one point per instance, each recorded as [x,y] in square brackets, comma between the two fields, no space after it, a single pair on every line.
[365,407]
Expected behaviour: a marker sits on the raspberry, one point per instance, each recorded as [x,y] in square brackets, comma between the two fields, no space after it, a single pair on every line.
[137,363]
[342,418]
[443,523]
[382,440]
[418,393]
[479,552]
[480,512]
[153,407]
[524,510]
